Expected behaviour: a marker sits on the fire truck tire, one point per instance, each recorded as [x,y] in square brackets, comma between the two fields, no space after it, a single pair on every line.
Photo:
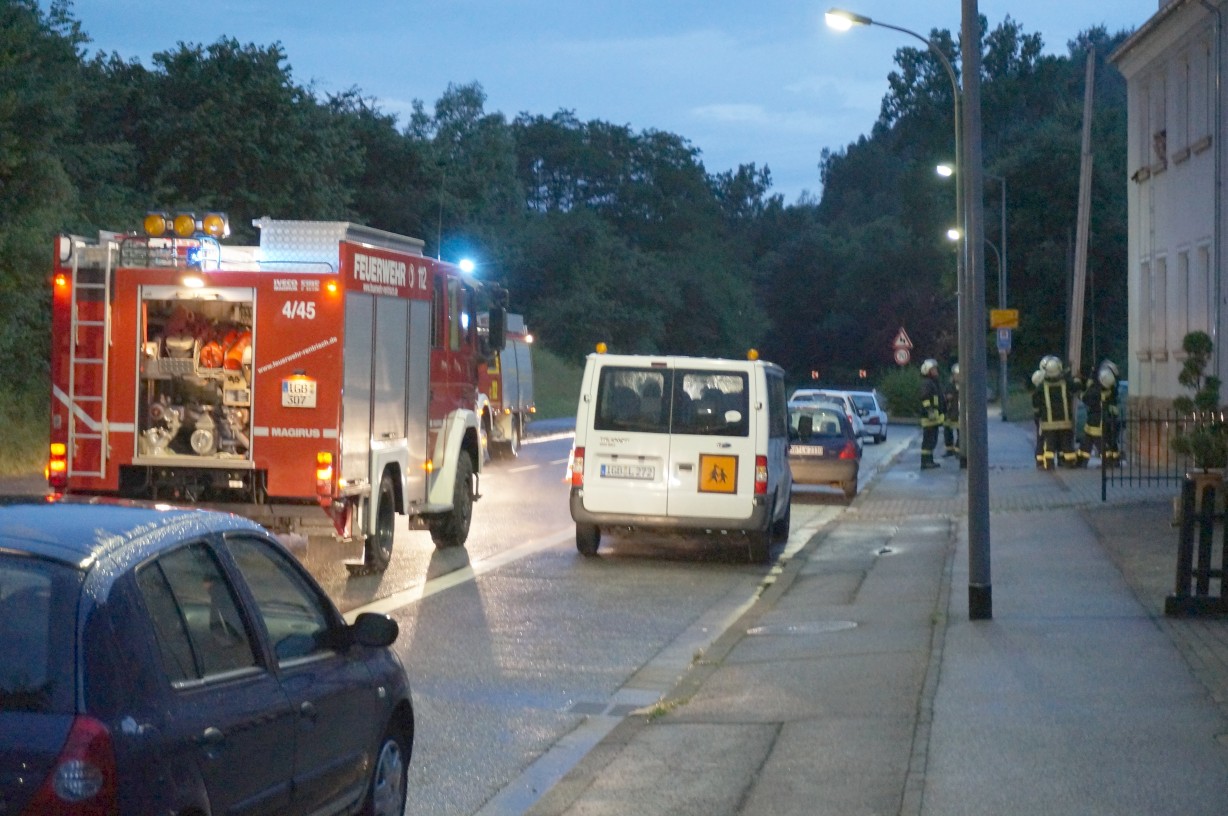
[588,537]
[377,553]
[511,448]
[452,528]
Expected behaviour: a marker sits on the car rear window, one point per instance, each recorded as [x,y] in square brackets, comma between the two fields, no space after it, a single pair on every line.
[864,402]
[809,422]
[681,401]
[38,604]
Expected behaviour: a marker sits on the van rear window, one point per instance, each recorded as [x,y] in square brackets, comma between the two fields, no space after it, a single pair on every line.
[681,401]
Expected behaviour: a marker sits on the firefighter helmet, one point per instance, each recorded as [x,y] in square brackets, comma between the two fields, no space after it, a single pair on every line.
[955,371]
[1038,377]
[929,367]
[1108,374]
[1052,367]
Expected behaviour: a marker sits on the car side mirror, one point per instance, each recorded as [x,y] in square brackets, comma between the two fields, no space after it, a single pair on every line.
[374,630]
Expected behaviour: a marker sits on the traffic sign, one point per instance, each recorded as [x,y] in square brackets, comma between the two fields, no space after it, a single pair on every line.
[902,356]
[1003,318]
[1004,340]
[902,341]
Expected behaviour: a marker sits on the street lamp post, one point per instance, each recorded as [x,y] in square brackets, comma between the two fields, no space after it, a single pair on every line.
[842,20]
[971,293]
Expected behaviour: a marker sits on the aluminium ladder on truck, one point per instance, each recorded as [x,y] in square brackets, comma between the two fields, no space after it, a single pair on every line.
[90,326]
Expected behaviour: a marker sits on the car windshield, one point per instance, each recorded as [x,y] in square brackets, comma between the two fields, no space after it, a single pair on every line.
[37,624]
[806,423]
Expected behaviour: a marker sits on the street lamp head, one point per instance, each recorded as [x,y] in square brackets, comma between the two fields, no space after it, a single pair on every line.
[842,20]
[954,234]
[945,170]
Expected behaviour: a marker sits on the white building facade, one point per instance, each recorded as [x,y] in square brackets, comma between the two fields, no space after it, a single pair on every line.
[1173,69]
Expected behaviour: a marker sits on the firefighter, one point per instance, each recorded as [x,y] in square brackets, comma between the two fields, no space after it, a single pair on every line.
[1056,422]
[950,407]
[931,413]
[1100,397]
[1038,405]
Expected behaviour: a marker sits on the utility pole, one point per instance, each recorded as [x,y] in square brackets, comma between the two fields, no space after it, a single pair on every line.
[1074,351]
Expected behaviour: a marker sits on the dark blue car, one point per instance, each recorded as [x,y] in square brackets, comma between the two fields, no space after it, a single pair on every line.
[170,661]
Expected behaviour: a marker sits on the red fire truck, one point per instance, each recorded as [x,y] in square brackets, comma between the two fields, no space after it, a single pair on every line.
[322,382]
[505,385]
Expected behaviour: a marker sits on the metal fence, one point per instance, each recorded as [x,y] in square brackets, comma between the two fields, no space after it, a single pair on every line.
[1147,455]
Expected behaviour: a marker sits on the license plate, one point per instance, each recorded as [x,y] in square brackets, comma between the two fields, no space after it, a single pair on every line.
[628,472]
[807,450]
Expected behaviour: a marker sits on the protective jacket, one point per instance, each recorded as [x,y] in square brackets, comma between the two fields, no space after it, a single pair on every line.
[931,404]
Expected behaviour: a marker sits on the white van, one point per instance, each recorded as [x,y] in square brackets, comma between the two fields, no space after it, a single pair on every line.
[687,444]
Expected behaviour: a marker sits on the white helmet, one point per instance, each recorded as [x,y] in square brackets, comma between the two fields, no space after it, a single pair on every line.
[955,371]
[1107,374]
[928,367]
[1038,377]
[1052,367]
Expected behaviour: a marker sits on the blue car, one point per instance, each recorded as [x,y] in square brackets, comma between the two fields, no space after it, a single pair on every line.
[156,660]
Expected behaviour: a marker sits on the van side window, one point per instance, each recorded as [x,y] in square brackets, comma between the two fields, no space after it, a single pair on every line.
[778,422]
[719,403]
[633,399]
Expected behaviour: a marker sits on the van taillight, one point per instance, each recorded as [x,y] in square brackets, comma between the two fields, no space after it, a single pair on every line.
[57,467]
[83,780]
[324,477]
[577,468]
[761,476]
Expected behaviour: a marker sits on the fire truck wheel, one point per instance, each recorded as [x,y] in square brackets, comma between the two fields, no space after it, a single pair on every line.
[511,448]
[378,550]
[452,528]
[588,536]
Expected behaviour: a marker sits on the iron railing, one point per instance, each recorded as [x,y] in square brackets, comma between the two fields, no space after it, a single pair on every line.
[1145,442]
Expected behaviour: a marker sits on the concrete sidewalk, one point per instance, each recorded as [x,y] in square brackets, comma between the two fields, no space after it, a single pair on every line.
[857,685]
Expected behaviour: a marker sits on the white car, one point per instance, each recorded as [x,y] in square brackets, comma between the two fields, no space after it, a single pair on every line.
[873,414]
[842,398]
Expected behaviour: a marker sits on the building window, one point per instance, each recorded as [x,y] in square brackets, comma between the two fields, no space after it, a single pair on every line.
[1205,281]
[1186,304]
[1159,307]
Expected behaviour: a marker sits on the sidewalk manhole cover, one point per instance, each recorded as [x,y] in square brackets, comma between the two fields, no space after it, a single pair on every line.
[814,628]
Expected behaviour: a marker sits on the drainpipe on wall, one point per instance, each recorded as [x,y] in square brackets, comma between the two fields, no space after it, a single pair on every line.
[1216,139]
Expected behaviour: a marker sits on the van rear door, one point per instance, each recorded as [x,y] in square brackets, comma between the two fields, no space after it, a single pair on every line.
[712,455]
[627,447]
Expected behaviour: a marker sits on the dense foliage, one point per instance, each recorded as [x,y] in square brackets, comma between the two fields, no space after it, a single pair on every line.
[600,233]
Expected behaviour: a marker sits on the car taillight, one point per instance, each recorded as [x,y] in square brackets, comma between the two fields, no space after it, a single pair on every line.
[83,780]
[577,468]
[849,451]
[57,467]
[324,477]
[761,476]
[873,421]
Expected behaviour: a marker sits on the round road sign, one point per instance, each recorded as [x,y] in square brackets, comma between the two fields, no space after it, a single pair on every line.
[902,356]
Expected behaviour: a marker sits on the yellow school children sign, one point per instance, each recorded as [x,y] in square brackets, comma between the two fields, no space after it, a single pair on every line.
[718,473]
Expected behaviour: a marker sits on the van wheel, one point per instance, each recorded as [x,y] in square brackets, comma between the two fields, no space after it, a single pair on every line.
[780,528]
[850,489]
[588,537]
[452,528]
[377,552]
[759,546]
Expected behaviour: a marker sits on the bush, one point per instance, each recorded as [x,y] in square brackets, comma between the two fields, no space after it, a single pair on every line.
[902,390]
[23,428]
[556,384]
